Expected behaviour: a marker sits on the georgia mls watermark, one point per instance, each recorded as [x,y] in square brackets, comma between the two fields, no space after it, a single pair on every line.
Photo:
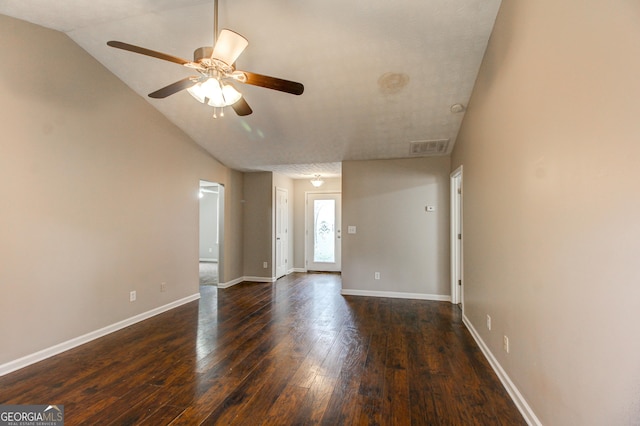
[31,415]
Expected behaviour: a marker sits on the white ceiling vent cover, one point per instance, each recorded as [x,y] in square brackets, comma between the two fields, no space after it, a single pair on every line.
[433,147]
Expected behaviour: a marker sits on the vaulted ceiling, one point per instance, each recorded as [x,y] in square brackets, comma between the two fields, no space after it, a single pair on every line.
[377,74]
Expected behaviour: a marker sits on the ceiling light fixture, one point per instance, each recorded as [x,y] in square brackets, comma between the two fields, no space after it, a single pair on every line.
[216,66]
[317,181]
[456,108]
[215,93]
[227,46]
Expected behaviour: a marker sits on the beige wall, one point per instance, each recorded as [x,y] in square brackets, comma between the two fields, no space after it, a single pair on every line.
[301,188]
[98,196]
[386,200]
[551,155]
[232,256]
[258,224]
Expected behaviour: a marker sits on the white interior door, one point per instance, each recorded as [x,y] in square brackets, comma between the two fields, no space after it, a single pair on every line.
[282,219]
[323,232]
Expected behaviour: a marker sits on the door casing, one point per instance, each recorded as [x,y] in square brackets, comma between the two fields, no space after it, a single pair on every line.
[457,239]
[281,242]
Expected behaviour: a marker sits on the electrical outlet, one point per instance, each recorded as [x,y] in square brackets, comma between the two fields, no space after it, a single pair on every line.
[376,275]
[163,287]
[265,265]
[489,321]
[132,296]
[505,343]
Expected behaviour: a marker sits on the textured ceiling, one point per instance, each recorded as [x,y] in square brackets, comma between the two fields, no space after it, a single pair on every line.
[377,74]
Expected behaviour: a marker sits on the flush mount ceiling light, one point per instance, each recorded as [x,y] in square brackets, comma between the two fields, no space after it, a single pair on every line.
[456,108]
[217,72]
[317,181]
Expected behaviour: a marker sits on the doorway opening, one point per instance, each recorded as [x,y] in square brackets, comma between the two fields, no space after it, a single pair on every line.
[323,232]
[210,232]
[457,271]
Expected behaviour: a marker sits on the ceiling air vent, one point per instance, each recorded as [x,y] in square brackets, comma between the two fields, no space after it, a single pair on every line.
[433,147]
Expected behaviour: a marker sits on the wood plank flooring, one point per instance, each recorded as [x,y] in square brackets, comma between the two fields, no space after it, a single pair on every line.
[294,352]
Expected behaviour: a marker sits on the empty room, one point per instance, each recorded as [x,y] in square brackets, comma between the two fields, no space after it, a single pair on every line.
[242,212]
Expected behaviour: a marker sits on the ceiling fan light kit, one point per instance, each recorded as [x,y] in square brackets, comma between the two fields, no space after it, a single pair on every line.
[216,66]
[214,93]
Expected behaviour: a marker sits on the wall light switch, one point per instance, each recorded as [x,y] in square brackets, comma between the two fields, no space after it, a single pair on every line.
[351,229]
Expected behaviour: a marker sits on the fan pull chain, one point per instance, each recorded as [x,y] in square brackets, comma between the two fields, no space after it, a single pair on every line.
[215,112]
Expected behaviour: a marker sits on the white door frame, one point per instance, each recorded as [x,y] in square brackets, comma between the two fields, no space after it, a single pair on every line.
[220,223]
[457,270]
[309,227]
[281,240]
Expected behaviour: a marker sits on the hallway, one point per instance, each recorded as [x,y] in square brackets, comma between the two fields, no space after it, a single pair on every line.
[208,273]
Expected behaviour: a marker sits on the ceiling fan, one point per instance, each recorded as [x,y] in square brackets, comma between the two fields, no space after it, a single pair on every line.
[217,71]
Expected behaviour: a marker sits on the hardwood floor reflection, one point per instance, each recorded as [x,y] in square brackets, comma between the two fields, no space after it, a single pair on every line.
[291,352]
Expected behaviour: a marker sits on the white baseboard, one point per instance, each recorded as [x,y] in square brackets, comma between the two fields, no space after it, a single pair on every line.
[303,270]
[254,279]
[243,279]
[81,340]
[231,283]
[396,295]
[526,411]
[260,279]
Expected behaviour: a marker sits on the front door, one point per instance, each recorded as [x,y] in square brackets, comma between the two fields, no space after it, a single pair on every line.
[323,231]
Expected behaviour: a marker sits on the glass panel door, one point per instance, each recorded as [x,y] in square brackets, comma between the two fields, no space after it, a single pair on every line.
[323,232]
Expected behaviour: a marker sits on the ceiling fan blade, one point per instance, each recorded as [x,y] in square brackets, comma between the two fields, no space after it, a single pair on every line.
[148,52]
[242,107]
[229,46]
[272,83]
[185,83]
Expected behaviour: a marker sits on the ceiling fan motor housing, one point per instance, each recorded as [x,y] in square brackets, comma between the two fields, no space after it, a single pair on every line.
[202,53]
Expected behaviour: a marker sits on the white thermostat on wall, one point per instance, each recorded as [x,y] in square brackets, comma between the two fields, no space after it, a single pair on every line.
[430,208]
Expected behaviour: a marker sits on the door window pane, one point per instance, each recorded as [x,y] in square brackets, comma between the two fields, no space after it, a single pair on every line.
[324,214]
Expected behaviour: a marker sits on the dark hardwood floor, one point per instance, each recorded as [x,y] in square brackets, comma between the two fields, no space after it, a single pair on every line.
[291,352]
